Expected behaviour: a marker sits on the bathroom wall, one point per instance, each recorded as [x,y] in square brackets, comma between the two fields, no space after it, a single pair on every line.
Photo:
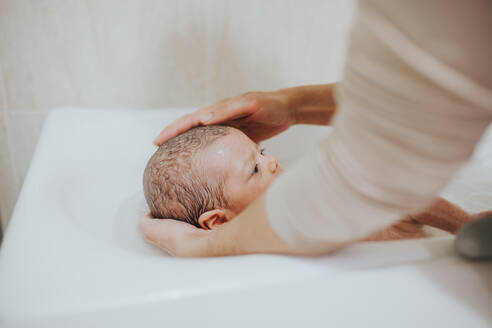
[151,54]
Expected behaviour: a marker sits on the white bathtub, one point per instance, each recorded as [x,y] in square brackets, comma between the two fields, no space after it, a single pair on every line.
[73,255]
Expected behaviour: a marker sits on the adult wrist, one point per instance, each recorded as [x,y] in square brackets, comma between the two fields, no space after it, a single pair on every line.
[313,104]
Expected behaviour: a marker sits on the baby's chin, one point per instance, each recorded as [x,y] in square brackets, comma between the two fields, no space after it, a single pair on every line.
[280,170]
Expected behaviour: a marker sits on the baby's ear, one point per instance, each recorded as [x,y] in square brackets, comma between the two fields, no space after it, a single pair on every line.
[212,219]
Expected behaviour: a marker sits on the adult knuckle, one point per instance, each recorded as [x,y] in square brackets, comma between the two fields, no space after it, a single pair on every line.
[250,94]
[149,239]
[224,102]
[253,98]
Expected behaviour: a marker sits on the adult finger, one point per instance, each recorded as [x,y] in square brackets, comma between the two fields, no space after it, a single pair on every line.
[220,112]
[228,110]
[175,237]
[156,232]
[186,122]
[179,126]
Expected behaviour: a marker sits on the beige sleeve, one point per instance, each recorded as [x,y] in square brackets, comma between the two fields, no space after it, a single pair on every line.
[410,115]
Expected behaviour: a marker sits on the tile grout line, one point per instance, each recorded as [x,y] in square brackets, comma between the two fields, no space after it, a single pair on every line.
[2,91]
[19,111]
[4,112]
[7,125]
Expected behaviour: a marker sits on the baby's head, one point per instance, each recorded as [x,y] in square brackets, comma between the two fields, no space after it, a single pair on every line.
[206,176]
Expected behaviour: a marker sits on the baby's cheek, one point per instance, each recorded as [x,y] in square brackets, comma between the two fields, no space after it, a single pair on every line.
[261,188]
[241,194]
[237,201]
[248,197]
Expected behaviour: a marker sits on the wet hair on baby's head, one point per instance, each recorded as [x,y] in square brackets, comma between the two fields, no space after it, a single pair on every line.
[172,186]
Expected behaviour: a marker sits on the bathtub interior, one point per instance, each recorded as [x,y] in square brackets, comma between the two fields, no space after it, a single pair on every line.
[120,147]
[75,226]
[105,161]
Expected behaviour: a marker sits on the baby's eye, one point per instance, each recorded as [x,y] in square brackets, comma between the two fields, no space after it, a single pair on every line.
[255,169]
[262,151]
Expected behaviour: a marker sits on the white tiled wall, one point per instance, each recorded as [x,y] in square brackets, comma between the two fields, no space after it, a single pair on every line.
[149,54]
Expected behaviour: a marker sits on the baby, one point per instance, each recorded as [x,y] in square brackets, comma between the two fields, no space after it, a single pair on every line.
[209,174]
[206,176]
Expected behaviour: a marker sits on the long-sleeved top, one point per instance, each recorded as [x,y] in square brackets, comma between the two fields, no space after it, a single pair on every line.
[415,99]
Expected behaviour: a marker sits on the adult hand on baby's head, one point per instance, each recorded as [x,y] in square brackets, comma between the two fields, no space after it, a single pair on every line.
[260,115]
[174,237]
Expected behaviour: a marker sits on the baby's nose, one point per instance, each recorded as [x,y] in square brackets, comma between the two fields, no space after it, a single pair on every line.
[273,165]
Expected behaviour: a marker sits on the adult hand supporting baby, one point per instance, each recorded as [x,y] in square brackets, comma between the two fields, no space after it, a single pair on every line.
[250,232]
[262,115]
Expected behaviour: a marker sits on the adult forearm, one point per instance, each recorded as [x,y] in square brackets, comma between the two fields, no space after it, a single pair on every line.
[443,214]
[312,104]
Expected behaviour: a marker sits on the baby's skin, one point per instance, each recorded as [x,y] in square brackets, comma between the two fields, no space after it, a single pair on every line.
[247,172]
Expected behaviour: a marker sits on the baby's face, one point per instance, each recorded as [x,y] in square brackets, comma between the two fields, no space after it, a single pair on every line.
[248,172]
